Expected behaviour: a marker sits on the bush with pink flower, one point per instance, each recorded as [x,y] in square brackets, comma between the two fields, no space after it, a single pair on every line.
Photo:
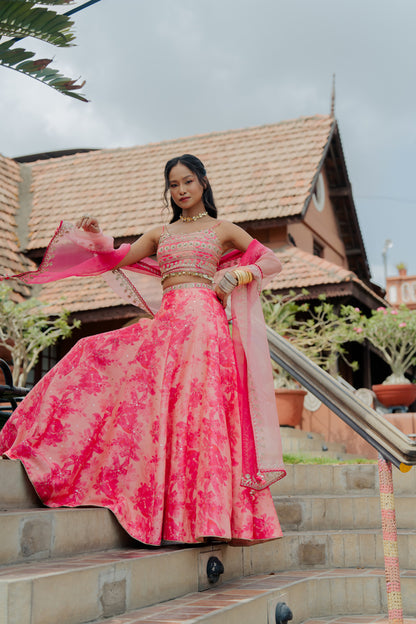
[392,331]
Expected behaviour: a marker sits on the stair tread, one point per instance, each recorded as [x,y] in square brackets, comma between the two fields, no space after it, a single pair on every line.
[88,560]
[377,618]
[366,531]
[346,496]
[197,605]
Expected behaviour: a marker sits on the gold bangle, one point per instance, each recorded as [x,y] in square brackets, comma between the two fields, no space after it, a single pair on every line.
[243,276]
[238,276]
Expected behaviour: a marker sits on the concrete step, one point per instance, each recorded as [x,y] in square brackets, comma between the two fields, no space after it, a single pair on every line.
[338,549]
[374,618]
[16,490]
[327,512]
[340,479]
[291,432]
[35,534]
[87,587]
[253,600]
[295,441]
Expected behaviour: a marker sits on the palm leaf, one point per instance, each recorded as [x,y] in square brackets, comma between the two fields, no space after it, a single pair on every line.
[22,19]
[51,2]
[22,60]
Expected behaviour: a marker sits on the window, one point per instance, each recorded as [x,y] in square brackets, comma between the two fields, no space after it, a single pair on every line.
[318,249]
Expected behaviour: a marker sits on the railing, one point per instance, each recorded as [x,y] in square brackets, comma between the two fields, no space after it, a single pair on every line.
[391,443]
[393,446]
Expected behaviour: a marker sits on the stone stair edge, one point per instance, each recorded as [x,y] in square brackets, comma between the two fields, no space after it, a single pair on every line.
[339,479]
[301,590]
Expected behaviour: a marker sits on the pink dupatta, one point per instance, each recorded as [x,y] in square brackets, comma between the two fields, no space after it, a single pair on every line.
[73,252]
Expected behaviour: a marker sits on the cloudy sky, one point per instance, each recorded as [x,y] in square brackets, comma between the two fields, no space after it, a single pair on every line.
[159,69]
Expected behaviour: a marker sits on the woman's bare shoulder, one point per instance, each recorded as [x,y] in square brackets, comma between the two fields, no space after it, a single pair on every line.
[153,234]
[233,235]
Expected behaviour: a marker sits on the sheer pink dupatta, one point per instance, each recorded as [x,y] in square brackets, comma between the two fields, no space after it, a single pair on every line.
[73,252]
[262,446]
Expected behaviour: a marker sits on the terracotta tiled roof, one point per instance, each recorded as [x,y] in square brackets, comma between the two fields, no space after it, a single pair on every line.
[82,294]
[78,295]
[11,260]
[256,173]
[304,270]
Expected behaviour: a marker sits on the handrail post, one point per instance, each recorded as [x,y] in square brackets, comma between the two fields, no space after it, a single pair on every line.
[390,544]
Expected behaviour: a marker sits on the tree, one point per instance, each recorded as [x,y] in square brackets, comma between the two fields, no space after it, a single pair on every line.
[321,331]
[26,329]
[23,18]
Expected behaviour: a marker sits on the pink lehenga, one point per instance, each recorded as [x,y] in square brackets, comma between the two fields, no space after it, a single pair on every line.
[158,421]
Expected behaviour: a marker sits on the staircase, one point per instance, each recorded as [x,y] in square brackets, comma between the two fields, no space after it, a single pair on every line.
[72,566]
[308,444]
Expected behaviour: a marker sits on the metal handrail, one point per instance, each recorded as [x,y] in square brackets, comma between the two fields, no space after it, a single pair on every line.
[390,442]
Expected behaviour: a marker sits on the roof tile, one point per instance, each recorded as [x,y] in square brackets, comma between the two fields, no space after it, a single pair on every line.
[11,260]
[256,173]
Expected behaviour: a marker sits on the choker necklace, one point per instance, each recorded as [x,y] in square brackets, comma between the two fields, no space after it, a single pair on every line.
[194,218]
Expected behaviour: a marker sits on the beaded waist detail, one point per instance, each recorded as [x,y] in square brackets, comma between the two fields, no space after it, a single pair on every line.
[189,285]
[194,273]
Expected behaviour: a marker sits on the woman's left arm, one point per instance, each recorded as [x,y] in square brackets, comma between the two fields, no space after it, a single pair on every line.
[234,237]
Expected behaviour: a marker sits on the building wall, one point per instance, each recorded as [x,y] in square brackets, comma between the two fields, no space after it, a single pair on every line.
[401,289]
[319,228]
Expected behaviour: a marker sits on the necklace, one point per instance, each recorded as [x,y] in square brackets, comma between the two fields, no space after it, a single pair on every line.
[194,218]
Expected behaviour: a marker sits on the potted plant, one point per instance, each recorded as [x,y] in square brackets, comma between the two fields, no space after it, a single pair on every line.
[320,332]
[392,331]
[402,268]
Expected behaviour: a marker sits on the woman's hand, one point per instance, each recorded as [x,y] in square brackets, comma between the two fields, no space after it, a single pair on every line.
[88,224]
[222,296]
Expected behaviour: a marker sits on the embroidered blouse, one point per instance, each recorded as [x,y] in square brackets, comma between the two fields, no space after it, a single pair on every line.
[195,253]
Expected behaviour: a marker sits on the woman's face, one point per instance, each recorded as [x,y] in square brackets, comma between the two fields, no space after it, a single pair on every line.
[185,188]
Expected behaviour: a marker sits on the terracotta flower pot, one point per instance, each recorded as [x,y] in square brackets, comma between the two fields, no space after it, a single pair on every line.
[289,403]
[391,395]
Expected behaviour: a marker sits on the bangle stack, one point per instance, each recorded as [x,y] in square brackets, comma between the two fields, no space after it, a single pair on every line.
[243,276]
[235,278]
[228,282]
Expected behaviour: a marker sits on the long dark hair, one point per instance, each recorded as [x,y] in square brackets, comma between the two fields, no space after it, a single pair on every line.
[195,165]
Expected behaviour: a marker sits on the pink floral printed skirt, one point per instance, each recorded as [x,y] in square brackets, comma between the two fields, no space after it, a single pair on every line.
[145,421]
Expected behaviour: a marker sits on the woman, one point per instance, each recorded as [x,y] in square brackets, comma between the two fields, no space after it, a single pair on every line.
[169,422]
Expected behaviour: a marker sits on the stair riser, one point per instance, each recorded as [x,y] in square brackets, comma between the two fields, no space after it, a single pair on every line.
[307,513]
[318,598]
[90,591]
[308,598]
[87,594]
[43,534]
[313,446]
[335,550]
[16,492]
[340,479]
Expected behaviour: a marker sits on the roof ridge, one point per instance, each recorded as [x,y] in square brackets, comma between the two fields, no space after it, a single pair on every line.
[198,136]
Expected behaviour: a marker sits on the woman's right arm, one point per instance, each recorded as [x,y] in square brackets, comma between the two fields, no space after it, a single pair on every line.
[145,246]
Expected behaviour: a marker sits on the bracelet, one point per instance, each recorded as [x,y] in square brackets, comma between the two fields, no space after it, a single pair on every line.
[228,282]
[243,276]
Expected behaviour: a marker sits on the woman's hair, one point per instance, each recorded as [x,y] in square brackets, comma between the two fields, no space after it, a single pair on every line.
[195,165]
